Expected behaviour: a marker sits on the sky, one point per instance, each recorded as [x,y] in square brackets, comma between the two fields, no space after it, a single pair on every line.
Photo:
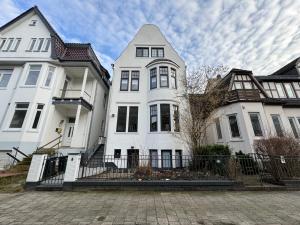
[261,35]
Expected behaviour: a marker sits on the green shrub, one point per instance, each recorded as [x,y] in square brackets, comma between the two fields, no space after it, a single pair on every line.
[212,150]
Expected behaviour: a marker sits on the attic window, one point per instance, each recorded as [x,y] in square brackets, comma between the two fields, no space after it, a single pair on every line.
[33,23]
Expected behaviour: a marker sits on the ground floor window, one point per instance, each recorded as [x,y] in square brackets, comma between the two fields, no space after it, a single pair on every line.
[178,158]
[294,127]
[19,115]
[234,127]
[256,124]
[154,158]
[166,159]
[277,124]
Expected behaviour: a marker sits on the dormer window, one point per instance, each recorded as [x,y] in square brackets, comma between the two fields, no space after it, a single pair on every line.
[142,52]
[157,52]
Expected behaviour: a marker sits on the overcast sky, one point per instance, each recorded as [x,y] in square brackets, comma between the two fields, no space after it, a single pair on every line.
[257,35]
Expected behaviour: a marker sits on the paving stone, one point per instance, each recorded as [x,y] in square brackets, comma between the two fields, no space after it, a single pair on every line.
[150,208]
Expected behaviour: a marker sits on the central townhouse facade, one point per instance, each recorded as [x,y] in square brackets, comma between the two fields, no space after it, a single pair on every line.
[49,90]
[145,106]
[257,107]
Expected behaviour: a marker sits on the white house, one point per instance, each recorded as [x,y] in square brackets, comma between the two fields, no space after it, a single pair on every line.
[143,116]
[47,88]
[257,107]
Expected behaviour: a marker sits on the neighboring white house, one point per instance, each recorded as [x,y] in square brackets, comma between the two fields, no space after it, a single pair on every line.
[143,116]
[257,107]
[48,87]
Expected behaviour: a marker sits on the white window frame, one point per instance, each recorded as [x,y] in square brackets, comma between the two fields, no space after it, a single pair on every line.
[52,77]
[27,74]
[280,123]
[260,124]
[2,72]
[31,46]
[40,118]
[296,124]
[13,113]
[238,124]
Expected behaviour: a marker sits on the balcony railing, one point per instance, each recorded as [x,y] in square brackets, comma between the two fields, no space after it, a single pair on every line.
[246,95]
[74,93]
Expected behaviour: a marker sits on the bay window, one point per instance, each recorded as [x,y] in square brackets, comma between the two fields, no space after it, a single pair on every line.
[164,78]
[173,79]
[37,117]
[33,75]
[153,118]
[176,118]
[165,124]
[153,78]
[49,76]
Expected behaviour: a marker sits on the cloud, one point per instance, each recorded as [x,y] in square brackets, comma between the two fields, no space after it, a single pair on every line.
[260,35]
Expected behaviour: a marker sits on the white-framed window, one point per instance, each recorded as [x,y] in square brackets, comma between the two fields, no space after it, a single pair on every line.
[31,44]
[46,45]
[277,124]
[297,88]
[280,90]
[164,76]
[124,80]
[173,79]
[33,75]
[135,80]
[19,115]
[289,90]
[157,52]
[294,127]
[142,52]
[49,77]
[234,127]
[218,128]
[9,44]
[130,122]
[5,76]
[38,114]
[256,124]
[39,45]
[153,78]
[2,43]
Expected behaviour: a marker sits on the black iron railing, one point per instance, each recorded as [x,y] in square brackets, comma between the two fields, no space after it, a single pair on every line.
[251,168]
[55,167]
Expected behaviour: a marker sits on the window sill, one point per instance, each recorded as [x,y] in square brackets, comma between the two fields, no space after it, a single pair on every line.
[12,130]
[236,140]
[3,88]
[47,88]
[28,86]
[32,131]
[128,133]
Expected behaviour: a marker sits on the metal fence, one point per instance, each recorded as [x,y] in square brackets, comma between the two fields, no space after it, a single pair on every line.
[250,169]
[55,167]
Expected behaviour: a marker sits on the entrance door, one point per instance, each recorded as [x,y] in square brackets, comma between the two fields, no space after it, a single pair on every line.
[166,159]
[68,134]
[132,158]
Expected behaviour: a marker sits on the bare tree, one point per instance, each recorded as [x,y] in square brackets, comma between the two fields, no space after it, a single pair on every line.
[204,93]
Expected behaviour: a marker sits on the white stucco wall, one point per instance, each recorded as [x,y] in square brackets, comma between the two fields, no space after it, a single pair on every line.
[143,139]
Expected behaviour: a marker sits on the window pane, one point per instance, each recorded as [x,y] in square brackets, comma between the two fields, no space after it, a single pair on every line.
[49,77]
[163,71]
[142,52]
[176,118]
[255,120]
[173,79]
[18,118]
[33,75]
[165,117]
[218,128]
[280,90]
[41,41]
[247,85]
[238,85]
[4,78]
[178,158]
[124,80]
[37,116]
[3,41]
[47,45]
[166,158]
[234,126]
[133,119]
[277,125]
[153,118]
[33,40]
[289,90]
[11,40]
[154,158]
[153,78]
[16,45]
[135,76]
[294,128]
[275,94]
[121,121]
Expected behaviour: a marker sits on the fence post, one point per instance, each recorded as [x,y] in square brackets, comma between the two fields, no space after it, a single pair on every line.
[36,169]
[72,169]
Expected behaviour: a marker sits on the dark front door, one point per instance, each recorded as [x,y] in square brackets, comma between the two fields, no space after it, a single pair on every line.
[132,158]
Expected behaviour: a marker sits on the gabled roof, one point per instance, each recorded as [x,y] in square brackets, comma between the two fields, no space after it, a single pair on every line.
[65,51]
[36,10]
[289,69]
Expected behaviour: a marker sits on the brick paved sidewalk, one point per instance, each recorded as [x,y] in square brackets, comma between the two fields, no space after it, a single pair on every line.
[141,208]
